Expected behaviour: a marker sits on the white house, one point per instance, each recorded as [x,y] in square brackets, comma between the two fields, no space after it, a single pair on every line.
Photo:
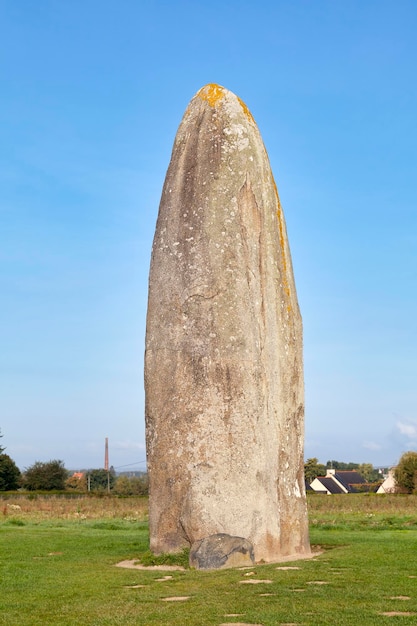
[389,484]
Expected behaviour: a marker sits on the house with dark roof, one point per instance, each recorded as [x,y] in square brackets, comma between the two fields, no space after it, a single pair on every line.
[347,479]
[324,484]
[338,481]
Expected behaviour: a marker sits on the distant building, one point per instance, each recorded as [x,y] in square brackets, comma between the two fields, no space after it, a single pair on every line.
[338,481]
[325,484]
[389,484]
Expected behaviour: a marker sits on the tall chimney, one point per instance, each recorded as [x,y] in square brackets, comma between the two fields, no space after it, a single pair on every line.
[106,455]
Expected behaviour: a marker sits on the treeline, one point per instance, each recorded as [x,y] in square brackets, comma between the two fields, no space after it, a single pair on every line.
[99,480]
[53,476]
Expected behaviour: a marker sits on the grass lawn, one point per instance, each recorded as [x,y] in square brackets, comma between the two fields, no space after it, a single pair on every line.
[58,557]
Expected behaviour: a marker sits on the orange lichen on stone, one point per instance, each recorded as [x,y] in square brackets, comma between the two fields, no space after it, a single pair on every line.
[212,93]
[246,111]
[282,242]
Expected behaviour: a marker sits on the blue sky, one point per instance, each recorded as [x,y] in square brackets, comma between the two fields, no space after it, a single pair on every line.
[92,95]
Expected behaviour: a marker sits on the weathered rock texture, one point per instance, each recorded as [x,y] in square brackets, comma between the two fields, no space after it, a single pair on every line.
[223,364]
[221,551]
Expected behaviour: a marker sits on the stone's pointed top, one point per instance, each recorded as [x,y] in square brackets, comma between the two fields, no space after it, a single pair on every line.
[214,94]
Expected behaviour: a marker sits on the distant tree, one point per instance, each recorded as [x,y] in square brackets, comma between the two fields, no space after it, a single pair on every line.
[45,476]
[312,469]
[406,473]
[122,486]
[9,473]
[340,465]
[131,485]
[140,485]
[77,483]
[370,474]
[1,447]
[100,479]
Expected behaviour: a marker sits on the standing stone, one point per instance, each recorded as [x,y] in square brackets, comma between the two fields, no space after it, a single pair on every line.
[223,364]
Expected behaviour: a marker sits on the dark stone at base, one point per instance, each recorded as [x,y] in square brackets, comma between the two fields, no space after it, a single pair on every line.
[221,551]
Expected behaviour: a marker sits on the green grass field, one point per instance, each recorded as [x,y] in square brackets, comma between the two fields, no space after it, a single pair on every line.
[58,561]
